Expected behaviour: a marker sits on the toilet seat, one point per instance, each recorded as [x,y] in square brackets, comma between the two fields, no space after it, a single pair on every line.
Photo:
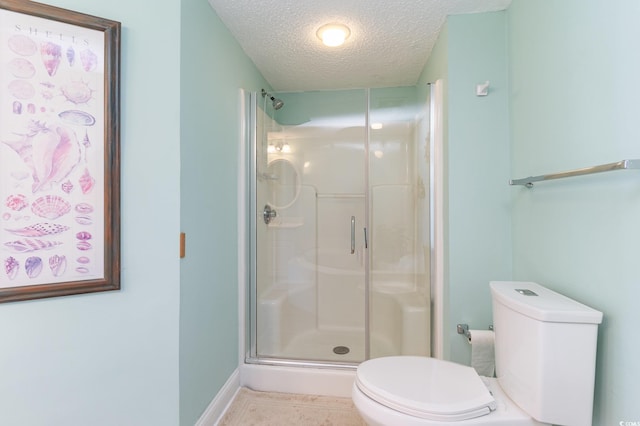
[424,387]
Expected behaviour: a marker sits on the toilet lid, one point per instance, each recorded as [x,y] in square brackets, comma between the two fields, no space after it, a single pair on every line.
[424,387]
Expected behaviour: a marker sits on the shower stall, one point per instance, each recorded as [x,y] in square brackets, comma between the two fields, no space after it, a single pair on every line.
[338,230]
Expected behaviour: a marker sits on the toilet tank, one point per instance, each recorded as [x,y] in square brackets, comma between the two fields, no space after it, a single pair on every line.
[545,349]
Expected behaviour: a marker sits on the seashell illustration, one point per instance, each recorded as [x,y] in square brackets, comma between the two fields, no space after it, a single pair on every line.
[33,266]
[31,109]
[22,45]
[88,59]
[19,174]
[77,117]
[29,245]
[83,235]
[67,186]
[16,202]
[86,181]
[58,265]
[77,92]
[22,89]
[50,152]
[50,207]
[21,68]
[51,54]
[17,107]
[39,230]
[71,56]
[85,141]
[83,260]
[84,220]
[82,269]
[23,148]
[55,154]
[11,267]
[84,208]
[83,245]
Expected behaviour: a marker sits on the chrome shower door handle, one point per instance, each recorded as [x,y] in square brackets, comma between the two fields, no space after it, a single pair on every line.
[366,238]
[353,234]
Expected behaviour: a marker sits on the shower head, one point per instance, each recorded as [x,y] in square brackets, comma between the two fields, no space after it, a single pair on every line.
[277,103]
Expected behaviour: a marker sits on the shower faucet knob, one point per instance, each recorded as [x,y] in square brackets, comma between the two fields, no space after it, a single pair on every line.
[268,214]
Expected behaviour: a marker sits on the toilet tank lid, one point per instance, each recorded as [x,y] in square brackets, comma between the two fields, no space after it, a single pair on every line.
[540,303]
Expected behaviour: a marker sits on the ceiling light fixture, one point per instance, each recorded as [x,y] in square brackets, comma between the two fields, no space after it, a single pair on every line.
[333,35]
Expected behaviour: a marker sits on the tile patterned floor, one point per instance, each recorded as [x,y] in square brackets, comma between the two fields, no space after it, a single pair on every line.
[251,408]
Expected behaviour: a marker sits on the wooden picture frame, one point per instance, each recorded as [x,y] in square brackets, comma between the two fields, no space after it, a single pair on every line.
[59,152]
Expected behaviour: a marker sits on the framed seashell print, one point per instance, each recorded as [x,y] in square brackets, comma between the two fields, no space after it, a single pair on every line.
[59,152]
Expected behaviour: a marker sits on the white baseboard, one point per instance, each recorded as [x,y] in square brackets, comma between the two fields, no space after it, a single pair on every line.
[221,401]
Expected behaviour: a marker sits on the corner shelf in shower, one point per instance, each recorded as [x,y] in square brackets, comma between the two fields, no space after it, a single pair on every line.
[286,222]
[339,195]
[620,165]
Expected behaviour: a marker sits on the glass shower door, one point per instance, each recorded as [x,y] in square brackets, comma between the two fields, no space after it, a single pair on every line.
[341,226]
[311,206]
[399,291]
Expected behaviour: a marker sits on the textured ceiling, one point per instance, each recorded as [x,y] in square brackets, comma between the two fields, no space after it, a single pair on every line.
[389,44]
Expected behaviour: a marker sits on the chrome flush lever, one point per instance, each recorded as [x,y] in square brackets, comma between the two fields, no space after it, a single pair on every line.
[353,234]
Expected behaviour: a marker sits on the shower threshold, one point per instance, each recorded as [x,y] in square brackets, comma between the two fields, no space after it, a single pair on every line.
[300,363]
[330,347]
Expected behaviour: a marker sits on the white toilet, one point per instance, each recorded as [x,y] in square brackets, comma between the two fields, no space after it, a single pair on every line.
[545,349]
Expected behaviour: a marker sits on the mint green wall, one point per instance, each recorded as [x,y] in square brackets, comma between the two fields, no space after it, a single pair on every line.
[112,358]
[213,69]
[478,170]
[574,103]
[470,51]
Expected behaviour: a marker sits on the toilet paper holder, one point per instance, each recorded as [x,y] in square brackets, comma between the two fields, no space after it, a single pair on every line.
[464,329]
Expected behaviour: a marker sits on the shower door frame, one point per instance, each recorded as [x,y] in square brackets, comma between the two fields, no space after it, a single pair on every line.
[248,351]
[249,220]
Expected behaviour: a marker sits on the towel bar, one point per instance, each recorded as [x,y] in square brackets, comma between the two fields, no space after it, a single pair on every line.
[620,165]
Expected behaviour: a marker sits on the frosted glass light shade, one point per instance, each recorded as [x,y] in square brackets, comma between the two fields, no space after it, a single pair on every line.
[333,35]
